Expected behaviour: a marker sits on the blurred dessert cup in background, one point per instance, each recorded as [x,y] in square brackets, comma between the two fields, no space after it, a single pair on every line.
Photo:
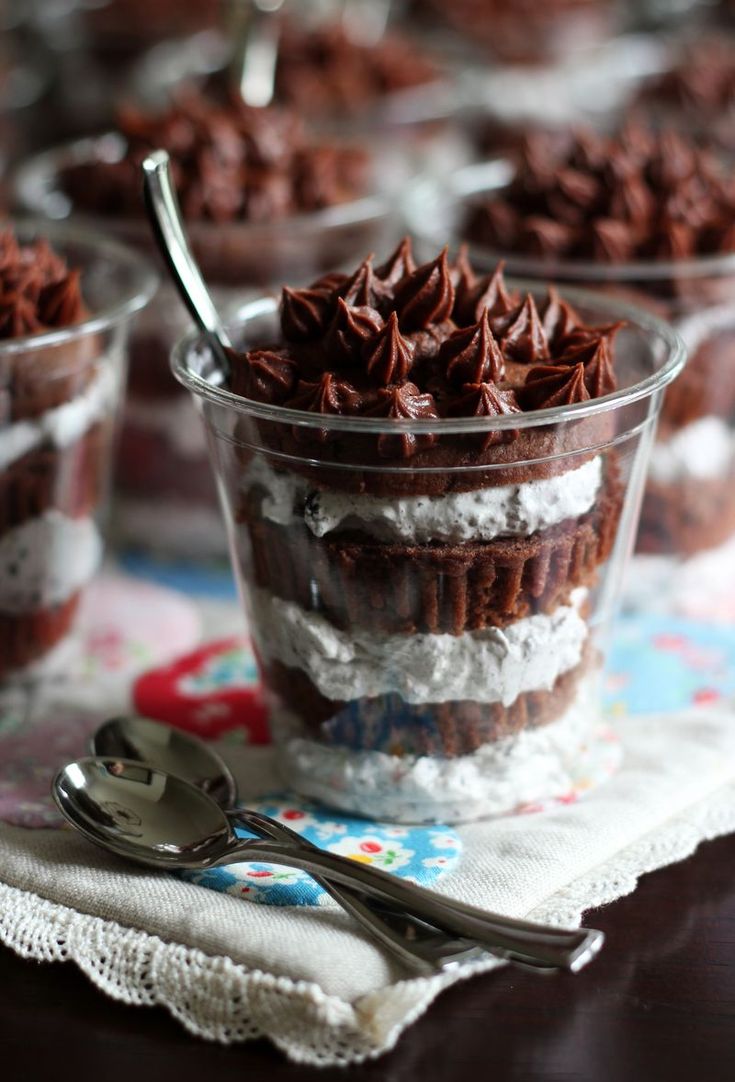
[264,201]
[646,216]
[66,305]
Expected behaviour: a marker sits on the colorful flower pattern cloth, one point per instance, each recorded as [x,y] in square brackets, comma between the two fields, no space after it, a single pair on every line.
[141,651]
[419,854]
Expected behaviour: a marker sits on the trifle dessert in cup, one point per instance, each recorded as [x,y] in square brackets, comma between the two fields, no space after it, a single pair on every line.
[646,216]
[430,481]
[326,68]
[263,200]
[66,302]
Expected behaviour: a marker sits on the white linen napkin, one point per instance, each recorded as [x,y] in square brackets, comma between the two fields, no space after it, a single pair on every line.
[229,969]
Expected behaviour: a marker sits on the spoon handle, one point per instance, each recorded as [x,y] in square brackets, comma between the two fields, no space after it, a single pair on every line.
[168,230]
[517,940]
[418,944]
[256,34]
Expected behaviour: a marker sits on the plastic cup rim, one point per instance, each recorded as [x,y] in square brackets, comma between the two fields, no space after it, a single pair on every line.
[608,309]
[137,297]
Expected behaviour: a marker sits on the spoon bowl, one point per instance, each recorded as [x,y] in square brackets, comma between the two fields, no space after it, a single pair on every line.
[141,813]
[171,750]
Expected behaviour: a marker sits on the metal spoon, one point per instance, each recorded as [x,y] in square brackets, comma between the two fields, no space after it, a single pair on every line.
[256,33]
[168,231]
[416,943]
[157,819]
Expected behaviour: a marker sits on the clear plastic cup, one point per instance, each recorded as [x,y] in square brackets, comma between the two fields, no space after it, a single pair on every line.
[164,496]
[59,397]
[689,506]
[430,629]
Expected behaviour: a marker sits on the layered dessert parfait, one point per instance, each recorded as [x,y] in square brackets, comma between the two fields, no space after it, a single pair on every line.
[421,502]
[259,195]
[60,384]
[648,216]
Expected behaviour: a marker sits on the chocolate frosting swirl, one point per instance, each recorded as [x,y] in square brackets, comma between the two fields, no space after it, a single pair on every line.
[389,356]
[405,402]
[486,400]
[558,318]
[304,313]
[427,296]
[472,355]
[329,394]
[398,265]
[38,292]
[265,375]
[596,357]
[364,289]
[523,336]
[554,385]
[349,331]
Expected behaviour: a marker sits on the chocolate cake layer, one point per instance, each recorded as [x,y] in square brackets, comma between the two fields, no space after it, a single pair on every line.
[451,464]
[389,724]
[71,479]
[687,517]
[25,638]
[356,581]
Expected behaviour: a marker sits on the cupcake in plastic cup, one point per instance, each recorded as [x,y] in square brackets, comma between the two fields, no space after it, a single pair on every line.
[429,505]
[264,202]
[66,304]
[649,218]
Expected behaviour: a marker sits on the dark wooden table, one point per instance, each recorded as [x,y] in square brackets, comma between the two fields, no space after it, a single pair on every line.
[657,1006]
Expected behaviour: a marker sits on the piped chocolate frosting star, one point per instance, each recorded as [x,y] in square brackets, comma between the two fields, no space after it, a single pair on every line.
[350,329]
[522,336]
[486,400]
[426,296]
[404,403]
[265,375]
[304,313]
[388,356]
[554,385]
[38,292]
[472,355]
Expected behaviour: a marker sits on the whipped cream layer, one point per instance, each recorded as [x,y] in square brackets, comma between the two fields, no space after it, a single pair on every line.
[491,665]
[703,450]
[46,560]
[65,424]
[479,515]
[531,766]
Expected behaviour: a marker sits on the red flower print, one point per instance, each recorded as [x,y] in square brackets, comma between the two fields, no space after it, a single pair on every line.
[667,641]
[706,695]
[293,813]
[370,847]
